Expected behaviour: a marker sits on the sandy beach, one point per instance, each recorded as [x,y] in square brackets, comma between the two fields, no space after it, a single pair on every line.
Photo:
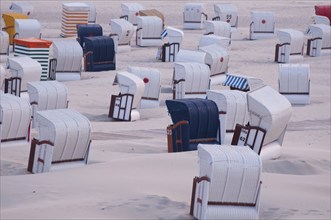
[130,175]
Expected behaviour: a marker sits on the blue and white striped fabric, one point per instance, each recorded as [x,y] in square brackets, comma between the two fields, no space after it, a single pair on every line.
[237,82]
[164,33]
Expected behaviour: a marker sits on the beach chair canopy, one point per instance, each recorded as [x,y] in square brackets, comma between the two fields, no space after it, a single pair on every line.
[202,118]
[21,7]
[262,24]
[219,28]
[131,84]
[269,110]
[152,12]
[149,29]
[323,10]
[15,117]
[28,69]
[233,104]
[131,11]
[152,81]
[293,37]
[211,39]
[228,185]
[227,12]
[243,83]
[190,56]
[217,58]
[88,30]
[100,53]
[190,79]
[69,55]
[123,29]
[9,19]
[26,28]
[321,31]
[73,13]
[4,43]
[68,130]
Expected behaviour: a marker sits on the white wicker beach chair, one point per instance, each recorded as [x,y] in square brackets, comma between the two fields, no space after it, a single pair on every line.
[170,49]
[290,47]
[26,28]
[294,83]
[21,7]
[125,105]
[4,46]
[15,118]
[46,95]
[229,183]
[211,39]
[228,13]
[92,12]
[219,28]
[262,25]
[64,141]
[190,80]
[152,81]
[149,29]
[320,39]
[130,11]
[196,56]
[194,16]
[121,31]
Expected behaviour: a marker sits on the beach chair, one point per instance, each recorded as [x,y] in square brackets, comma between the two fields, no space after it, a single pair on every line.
[3,76]
[229,183]
[26,28]
[194,16]
[290,46]
[15,118]
[100,54]
[23,69]
[262,25]
[36,48]
[149,29]
[92,17]
[87,30]
[152,81]
[320,39]
[21,7]
[63,142]
[212,39]
[233,110]
[194,121]
[130,11]
[68,55]
[46,95]
[4,46]
[228,13]
[270,111]
[191,56]
[170,49]
[294,83]
[323,14]
[190,80]
[125,105]
[9,19]
[242,83]
[73,13]
[217,58]
[218,28]
[152,12]
[121,31]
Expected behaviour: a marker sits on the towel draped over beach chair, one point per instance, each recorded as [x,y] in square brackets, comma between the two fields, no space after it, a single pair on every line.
[262,25]
[194,121]
[100,54]
[68,55]
[294,83]
[229,183]
[125,105]
[64,141]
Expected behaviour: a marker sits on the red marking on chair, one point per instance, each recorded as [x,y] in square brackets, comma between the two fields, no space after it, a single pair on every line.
[146,80]
[263,21]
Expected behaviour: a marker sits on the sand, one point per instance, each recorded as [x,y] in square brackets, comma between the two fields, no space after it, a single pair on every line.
[130,175]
